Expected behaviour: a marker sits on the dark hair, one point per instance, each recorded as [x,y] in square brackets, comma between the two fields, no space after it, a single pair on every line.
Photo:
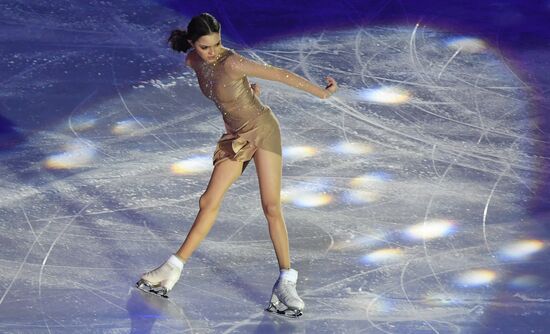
[200,25]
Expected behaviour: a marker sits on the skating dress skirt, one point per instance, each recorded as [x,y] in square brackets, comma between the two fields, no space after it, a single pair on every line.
[249,124]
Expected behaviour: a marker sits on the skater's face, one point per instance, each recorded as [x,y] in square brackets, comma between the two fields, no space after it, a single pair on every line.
[209,47]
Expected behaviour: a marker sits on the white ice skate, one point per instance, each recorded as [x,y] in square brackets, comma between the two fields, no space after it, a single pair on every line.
[284,298]
[162,279]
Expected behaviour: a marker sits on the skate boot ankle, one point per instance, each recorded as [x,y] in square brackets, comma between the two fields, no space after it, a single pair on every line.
[284,298]
[162,279]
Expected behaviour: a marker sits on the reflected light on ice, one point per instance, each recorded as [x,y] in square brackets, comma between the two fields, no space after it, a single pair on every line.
[525,281]
[306,197]
[299,152]
[369,180]
[356,196]
[126,127]
[521,249]
[368,188]
[476,277]
[192,165]
[353,148]
[467,44]
[358,243]
[383,256]
[77,154]
[430,229]
[82,123]
[385,95]
[312,200]
[441,298]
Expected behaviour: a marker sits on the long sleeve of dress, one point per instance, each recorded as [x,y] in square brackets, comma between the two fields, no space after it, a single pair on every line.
[238,66]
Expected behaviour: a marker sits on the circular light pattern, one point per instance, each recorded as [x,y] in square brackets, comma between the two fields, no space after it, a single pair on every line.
[369,180]
[126,127]
[521,250]
[385,95]
[299,152]
[192,165]
[310,194]
[353,148]
[476,277]
[356,196]
[312,200]
[77,154]
[82,123]
[368,188]
[430,229]
[467,44]
[383,256]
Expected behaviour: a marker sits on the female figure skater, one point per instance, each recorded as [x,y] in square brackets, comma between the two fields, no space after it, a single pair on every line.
[252,133]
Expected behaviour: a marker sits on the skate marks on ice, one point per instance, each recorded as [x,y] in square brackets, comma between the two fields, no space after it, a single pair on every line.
[419,180]
[404,194]
[446,162]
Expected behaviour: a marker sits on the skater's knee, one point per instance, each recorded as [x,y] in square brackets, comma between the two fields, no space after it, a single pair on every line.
[272,209]
[208,203]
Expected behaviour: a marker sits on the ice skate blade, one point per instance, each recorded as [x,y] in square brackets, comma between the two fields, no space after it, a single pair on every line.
[145,286]
[288,312]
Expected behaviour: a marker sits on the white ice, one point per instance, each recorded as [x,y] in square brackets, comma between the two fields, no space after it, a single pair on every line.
[406,209]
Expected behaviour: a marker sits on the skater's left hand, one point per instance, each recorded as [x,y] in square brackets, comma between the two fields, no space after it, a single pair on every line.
[255,89]
[332,86]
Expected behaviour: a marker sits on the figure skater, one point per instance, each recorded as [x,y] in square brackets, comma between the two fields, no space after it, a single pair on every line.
[252,133]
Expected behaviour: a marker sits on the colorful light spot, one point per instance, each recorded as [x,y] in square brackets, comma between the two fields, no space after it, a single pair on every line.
[383,256]
[521,250]
[82,123]
[476,277]
[299,152]
[77,154]
[467,44]
[353,148]
[312,200]
[127,127]
[369,180]
[386,95]
[361,196]
[430,229]
[192,165]
[311,194]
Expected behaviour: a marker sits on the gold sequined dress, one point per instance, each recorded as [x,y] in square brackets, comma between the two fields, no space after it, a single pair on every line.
[249,123]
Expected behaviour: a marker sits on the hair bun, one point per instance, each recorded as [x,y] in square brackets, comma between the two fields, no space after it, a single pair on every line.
[178,33]
[178,40]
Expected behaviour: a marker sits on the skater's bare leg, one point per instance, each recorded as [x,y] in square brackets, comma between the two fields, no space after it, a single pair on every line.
[269,169]
[223,176]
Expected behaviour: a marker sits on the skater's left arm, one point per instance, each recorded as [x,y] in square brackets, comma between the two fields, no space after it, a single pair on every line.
[238,66]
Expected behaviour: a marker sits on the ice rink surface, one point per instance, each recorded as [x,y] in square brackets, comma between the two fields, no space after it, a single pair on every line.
[406,195]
